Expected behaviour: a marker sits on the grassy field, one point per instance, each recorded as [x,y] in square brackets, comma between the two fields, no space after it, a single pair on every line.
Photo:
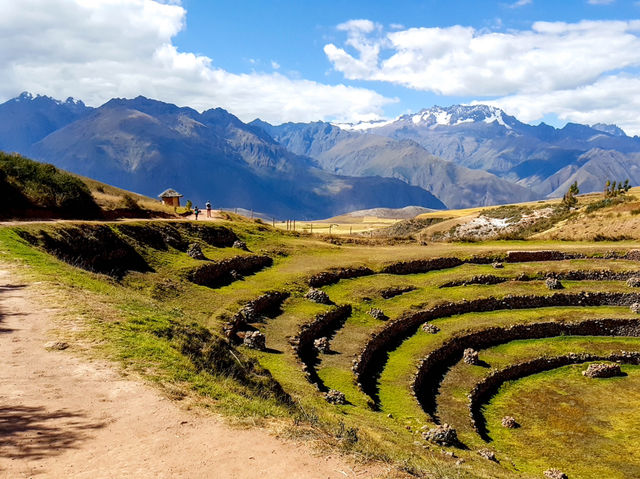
[595,419]
[162,326]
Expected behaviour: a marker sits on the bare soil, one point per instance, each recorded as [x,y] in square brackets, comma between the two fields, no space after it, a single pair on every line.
[64,415]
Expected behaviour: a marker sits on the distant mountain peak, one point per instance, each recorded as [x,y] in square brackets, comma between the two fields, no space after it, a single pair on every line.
[457,115]
[611,129]
[435,116]
[26,96]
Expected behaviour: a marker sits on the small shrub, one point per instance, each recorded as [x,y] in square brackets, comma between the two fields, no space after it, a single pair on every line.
[129,203]
[28,184]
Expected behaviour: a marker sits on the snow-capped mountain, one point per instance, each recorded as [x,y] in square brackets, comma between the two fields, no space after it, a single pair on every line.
[441,116]
[484,137]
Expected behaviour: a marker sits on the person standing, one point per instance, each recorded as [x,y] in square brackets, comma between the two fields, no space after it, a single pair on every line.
[196,211]
[208,206]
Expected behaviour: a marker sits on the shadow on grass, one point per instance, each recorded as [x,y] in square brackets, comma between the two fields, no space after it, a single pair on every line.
[272,351]
[35,433]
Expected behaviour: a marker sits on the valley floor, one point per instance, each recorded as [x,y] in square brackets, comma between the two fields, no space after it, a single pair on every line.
[63,415]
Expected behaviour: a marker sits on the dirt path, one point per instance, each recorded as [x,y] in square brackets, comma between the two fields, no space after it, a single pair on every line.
[64,416]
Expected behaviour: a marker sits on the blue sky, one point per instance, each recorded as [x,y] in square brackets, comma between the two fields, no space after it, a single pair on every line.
[290,35]
[353,60]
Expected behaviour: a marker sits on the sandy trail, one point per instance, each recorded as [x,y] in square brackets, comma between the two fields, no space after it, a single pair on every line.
[62,415]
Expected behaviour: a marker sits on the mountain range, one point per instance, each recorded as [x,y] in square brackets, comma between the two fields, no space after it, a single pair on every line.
[485,138]
[147,146]
[459,156]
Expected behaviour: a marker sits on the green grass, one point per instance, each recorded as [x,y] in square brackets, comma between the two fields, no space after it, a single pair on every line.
[396,378]
[587,428]
[453,402]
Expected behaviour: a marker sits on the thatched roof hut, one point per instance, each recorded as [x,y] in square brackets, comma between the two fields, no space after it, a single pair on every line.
[170,197]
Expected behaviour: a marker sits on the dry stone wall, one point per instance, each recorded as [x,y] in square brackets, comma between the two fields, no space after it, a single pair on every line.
[366,365]
[435,365]
[324,325]
[267,305]
[92,247]
[486,389]
[326,278]
[220,273]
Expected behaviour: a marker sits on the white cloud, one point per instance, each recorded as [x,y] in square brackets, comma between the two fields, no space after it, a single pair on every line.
[275,65]
[361,25]
[98,49]
[600,2]
[614,99]
[460,60]
[521,3]
[583,72]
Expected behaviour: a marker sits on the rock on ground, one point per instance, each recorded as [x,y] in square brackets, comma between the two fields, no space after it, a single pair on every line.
[317,296]
[509,422]
[322,345]
[554,474]
[470,356]
[377,313]
[430,328]
[602,370]
[335,397]
[444,435]
[553,283]
[255,340]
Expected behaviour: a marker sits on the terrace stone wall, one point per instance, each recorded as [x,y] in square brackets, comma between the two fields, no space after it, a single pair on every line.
[267,304]
[366,364]
[221,273]
[434,366]
[326,278]
[485,389]
[324,325]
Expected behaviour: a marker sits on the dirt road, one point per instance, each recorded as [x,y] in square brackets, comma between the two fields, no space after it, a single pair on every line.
[63,416]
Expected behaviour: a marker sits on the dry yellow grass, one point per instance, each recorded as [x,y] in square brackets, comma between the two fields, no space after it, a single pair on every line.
[340,225]
[110,198]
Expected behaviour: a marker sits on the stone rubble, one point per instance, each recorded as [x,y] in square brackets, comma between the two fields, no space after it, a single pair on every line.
[317,296]
[553,283]
[335,397]
[444,435]
[322,345]
[555,474]
[509,422]
[430,328]
[255,340]
[602,370]
[377,313]
[470,356]
[488,454]
[240,245]
[195,251]
[634,282]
